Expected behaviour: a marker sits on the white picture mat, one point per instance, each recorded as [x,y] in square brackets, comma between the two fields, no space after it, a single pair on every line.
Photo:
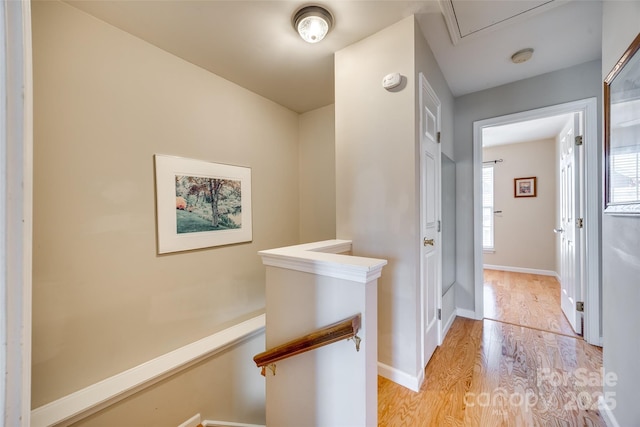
[167,168]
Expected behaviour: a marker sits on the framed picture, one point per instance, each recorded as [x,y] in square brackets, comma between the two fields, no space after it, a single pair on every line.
[524,187]
[201,204]
[622,134]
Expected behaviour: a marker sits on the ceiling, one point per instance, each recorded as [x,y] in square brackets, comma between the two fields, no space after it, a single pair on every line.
[530,130]
[562,36]
[253,44]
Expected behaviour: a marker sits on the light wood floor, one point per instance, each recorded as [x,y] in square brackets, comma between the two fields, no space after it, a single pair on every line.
[489,373]
[525,299]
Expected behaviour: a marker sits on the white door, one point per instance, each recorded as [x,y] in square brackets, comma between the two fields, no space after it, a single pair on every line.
[430,217]
[571,229]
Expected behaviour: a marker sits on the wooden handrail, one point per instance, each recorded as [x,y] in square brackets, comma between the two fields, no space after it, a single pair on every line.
[338,331]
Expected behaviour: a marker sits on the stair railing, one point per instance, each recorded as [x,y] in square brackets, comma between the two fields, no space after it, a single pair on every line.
[345,329]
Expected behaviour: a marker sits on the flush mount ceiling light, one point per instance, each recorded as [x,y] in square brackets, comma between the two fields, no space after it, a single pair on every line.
[522,56]
[312,23]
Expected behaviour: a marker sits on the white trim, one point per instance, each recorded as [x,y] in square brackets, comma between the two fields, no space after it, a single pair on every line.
[192,422]
[111,390]
[16,174]
[468,314]
[520,270]
[450,19]
[447,326]
[449,14]
[210,423]
[607,413]
[477,223]
[588,107]
[4,318]
[593,207]
[325,259]
[412,382]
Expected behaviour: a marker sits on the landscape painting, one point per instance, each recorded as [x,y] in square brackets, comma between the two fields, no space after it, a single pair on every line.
[207,204]
[201,204]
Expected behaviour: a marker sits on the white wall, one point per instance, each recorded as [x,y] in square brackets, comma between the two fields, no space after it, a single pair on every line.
[620,250]
[377,174]
[524,235]
[578,82]
[105,102]
[334,385]
[376,178]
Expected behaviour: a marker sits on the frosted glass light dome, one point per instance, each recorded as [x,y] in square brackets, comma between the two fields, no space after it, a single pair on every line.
[312,23]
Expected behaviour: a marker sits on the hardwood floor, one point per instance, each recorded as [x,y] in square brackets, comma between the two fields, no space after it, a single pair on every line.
[491,373]
[524,299]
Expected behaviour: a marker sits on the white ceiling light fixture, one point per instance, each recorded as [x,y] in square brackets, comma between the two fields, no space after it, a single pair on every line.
[522,56]
[312,23]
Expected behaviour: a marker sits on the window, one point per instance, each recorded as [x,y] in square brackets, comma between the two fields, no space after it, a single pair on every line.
[487,207]
[624,178]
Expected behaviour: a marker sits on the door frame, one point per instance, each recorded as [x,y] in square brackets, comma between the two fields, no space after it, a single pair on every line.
[424,84]
[16,200]
[592,195]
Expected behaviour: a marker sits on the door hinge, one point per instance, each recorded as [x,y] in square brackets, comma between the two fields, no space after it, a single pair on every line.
[579,140]
[580,306]
[439,314]
[580,222]
[438,226]
[438,137]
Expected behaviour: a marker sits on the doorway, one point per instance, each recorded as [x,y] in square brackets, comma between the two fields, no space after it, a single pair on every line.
[587,109]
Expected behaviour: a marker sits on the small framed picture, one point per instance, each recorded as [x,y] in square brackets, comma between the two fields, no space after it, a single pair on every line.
[524,187]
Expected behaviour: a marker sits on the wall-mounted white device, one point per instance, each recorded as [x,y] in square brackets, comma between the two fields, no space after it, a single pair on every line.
[391,80]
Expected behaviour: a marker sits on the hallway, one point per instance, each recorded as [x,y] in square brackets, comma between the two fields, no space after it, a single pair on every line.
[524,299]
[499,373]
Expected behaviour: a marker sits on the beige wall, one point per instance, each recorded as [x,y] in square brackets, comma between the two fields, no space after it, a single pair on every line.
[317,175]
[524,235]
[103,300]
[225,388]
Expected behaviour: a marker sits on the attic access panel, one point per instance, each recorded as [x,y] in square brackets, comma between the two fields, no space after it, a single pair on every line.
[467,19]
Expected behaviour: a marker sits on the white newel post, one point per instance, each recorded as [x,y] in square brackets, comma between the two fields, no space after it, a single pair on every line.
[308,287]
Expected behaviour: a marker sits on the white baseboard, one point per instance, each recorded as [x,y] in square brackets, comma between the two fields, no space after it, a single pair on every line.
[102,394]
[411,382]
[607,414]
[401,378]
[210,423]
[191,422]
[520,270]
[447,325]
[469,314]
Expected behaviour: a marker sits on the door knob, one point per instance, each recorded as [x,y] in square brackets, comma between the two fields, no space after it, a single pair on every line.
[426,242]
[558,230]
